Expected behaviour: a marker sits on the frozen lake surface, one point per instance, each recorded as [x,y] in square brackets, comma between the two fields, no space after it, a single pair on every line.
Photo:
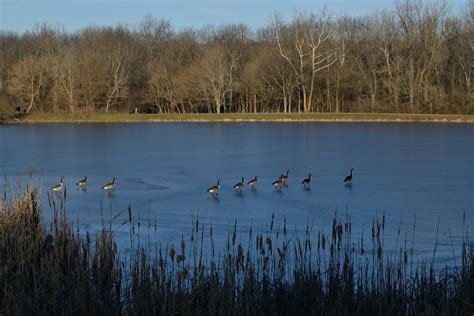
[163,170]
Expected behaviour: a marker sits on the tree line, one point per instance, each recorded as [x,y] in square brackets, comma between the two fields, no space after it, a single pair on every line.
[414,58]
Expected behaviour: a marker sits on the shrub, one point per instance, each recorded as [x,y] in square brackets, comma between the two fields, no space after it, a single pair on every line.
[7,108]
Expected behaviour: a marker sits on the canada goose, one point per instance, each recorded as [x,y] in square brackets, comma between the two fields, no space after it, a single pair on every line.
[278,183]
[58,187]
[109,186]
[238,187]
[253,182]
[348,179]
[285,178]
[82,182]
[214,190]
[307,182]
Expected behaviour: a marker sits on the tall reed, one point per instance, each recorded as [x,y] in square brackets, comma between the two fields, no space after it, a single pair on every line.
[60,270]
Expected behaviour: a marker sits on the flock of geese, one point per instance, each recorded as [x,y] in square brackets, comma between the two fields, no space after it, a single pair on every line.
[214,190]
[277,184]
[82,183]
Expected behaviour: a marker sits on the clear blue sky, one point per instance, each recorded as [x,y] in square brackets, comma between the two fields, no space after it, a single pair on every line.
[21,15]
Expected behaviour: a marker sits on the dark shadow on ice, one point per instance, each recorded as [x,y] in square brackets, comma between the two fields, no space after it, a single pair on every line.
[239,194]
[82,189]
[214,198]
[278,191]
[110,195]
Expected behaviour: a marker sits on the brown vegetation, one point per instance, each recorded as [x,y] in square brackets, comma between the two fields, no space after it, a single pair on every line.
[6,107]
[59,270]
[415,58]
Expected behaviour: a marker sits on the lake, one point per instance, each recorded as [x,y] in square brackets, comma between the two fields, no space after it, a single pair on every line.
[413,173]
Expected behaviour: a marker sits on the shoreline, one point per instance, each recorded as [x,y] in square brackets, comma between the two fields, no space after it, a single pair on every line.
[243,117]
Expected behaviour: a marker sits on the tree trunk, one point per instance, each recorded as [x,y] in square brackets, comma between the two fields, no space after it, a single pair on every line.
[411,85]
[218,105]
[289,103]
[32,102]
[305,104]
[328,96]
[255,103]
[299,102]
[310,98]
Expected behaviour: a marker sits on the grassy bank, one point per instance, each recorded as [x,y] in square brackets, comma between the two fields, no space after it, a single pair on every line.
[57,270]
[244,117]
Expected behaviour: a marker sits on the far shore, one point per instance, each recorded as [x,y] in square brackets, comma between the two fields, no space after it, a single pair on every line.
[242,117]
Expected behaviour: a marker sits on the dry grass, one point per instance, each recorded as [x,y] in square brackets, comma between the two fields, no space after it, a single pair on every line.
[56,271]
[246,117]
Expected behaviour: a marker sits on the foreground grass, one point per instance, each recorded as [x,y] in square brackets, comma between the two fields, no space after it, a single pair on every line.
[239,117]
[58,271]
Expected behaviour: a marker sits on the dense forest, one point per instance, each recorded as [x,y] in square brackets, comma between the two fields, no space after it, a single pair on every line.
[415,58]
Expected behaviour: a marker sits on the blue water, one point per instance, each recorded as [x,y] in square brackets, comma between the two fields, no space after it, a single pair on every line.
[403,170]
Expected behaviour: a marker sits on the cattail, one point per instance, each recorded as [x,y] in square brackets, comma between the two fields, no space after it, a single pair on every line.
[319,241]
[172,253]
[180,258]
[183,245]
[269,244]
[234,233]
[240,257]
[339,232]
[183,273]
[160,260]
[373,230]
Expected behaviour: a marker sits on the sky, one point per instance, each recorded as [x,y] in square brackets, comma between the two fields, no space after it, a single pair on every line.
[71,15]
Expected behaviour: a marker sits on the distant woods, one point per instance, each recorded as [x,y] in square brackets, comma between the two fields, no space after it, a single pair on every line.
[415,58]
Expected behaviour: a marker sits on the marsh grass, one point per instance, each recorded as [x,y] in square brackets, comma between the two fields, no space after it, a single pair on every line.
[60,270]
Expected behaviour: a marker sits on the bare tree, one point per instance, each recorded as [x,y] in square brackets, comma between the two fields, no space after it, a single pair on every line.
[386,39]
[422,29]
[413,58]
[68,78]
[302,46]
[117,86]
[28,78]
[163,87]
[210,76]
[369,60]
[278,78]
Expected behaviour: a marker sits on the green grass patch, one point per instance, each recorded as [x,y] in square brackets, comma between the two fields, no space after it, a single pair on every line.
[244,117]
